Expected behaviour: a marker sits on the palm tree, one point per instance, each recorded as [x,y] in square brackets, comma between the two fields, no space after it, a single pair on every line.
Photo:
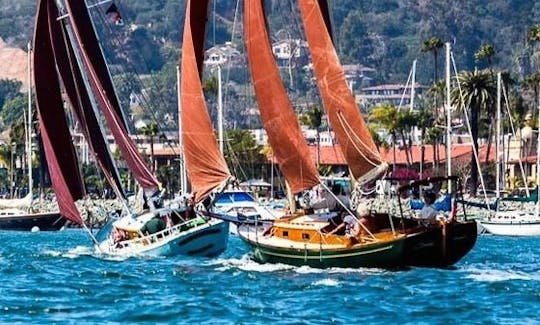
[478,93]
[386,116]
[436,91]
[151,130]
[485,53]
[533,37]
[433,45]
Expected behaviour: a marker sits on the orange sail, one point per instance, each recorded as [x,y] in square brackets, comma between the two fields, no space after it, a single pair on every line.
[280,123]
[344,116]
[205,165]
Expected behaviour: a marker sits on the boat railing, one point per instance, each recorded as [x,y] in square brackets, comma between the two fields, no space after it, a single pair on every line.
[155,237]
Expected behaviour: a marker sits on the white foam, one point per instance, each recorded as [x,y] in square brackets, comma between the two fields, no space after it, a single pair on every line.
[247,264]
[326,282]
[493,275]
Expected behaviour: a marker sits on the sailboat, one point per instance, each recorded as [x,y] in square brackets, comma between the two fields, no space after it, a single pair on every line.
[174,231]
[300,239]
[514,221]
[21,214]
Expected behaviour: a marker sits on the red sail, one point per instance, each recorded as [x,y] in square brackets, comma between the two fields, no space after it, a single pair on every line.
[73,82]
[206,167]
[284,134]
[61,157]
[348,124]
[102,85]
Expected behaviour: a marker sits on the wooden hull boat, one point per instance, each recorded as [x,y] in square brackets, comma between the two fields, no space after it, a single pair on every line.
[302,241]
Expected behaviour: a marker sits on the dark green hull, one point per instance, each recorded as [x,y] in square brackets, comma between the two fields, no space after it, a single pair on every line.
[389,254]
[430,248]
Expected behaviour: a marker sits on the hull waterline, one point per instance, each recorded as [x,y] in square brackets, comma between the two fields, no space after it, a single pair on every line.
[32,222]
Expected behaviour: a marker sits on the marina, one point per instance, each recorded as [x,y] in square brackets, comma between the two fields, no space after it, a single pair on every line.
[56,278]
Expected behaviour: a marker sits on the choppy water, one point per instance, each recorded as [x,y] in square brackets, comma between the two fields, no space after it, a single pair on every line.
[56,278]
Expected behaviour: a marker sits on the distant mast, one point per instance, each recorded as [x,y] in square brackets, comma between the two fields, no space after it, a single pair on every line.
[448,119]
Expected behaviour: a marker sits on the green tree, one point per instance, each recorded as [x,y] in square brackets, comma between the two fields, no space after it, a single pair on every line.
[486,52]
[313,119]
[476,95]
[386,117]
[151,130]
[243,155]
[433,46]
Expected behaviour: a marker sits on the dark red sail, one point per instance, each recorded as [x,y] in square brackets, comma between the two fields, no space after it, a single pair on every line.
[103,89]
[79,99]
[61,156]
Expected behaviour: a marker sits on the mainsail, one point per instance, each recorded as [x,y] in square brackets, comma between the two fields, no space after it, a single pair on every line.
[103,88]
[350,128]
[61,157]
[206,167]
[72,79]
[281,125]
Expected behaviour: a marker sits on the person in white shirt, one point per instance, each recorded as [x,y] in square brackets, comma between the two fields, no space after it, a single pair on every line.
[330,202]
[428,212]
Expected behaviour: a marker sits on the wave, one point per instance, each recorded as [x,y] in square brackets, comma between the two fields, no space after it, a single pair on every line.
[494,275]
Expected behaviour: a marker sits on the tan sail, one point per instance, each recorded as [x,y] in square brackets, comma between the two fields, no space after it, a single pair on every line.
[344,116]
[281,125]
[206,167]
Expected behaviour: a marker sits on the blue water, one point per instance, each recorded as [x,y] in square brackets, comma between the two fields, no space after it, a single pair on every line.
[56,278]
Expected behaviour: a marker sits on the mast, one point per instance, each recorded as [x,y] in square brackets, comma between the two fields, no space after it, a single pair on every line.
[220,110]
[29,124]
[448,119]
[498,140]
[413,89]
[537,212]
[183,175]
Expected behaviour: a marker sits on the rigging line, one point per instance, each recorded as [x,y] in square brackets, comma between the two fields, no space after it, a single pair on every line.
[347,127]
[468,123]
[115,42]
[506,100]
[162,136]
[226,90]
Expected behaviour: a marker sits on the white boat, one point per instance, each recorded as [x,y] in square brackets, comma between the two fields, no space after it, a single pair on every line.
[245,207]
[199,236]
[513,223]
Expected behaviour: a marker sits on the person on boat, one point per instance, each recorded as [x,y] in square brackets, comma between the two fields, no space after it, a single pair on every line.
[330,201]
[154,225]
[428,212]
[355,226]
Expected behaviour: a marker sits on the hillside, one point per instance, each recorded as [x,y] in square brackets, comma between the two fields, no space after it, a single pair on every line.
[13,64]
[386,35]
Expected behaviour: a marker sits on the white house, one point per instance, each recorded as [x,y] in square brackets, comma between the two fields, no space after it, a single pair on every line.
[221,54]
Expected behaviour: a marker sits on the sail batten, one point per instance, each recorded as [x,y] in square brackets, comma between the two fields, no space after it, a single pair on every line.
[344,116]
[103,88]
[284,135]
[58,147]
[206,167]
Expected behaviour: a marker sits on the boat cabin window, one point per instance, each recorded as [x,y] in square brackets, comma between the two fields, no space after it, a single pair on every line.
[305,236]
[285,234]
